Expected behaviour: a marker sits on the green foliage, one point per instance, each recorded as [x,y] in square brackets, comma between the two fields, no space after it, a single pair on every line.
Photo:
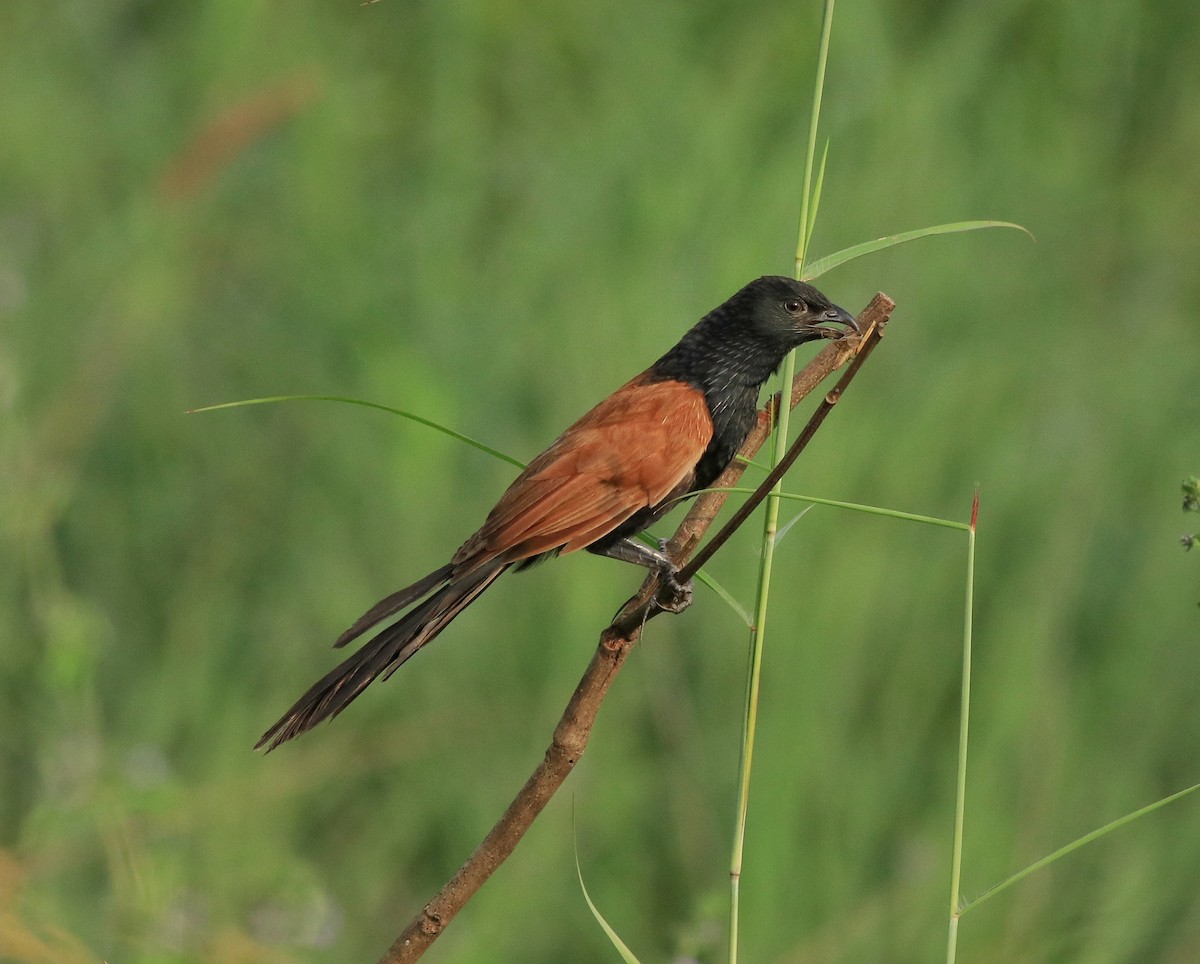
[491,215]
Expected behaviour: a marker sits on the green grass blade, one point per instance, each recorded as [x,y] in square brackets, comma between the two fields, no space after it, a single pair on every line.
[816,201]
[964,719]
[821,265]
[787,526]
[419,419]
[855,507]
[753,464]
[1075,845]
[742,613]
[622,948]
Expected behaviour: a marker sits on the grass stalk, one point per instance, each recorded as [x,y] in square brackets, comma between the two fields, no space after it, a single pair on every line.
[808,208]
[960,792]
[807,198]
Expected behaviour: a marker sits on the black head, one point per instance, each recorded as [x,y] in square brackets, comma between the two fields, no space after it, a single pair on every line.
[731,352]
[787,313]
[738,344]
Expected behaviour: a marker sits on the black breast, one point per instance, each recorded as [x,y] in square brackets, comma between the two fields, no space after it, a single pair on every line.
[734,414]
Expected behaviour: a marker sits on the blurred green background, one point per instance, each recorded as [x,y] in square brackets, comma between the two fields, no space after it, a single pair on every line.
[492,214]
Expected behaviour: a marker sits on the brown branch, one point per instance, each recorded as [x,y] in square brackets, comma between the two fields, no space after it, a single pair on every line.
[617,641]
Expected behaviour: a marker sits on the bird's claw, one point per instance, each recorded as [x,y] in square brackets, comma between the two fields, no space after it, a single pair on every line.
[673,596]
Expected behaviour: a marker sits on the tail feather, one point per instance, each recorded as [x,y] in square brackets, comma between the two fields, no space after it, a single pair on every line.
[390,605]
[383,654]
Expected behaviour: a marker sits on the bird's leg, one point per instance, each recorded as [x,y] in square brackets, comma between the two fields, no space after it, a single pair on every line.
[678,595]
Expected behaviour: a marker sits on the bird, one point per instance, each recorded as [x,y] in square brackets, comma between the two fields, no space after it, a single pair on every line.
[665,433]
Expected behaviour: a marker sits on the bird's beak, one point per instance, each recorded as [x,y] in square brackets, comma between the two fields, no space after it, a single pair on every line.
[835,316]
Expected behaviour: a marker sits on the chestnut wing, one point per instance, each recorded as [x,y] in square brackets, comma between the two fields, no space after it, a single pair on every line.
[633,450]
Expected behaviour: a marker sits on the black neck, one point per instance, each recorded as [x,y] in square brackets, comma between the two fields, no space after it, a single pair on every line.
[730,370]
[716,361]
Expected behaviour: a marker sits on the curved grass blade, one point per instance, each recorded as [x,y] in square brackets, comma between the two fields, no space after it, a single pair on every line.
[1087,838]
[817,268]
[727,597]
[787,526]
[622,948]
[420,419]
[816,200]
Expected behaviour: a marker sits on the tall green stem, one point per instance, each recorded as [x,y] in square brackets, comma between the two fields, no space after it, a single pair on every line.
[808,204]
[806,199]
[960,793]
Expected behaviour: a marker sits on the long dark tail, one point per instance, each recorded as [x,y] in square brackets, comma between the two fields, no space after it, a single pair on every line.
[387,650]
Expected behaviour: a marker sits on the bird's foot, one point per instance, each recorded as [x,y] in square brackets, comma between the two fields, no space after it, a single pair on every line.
[673,596]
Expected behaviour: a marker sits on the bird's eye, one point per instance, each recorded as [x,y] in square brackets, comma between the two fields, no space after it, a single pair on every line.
[794,306]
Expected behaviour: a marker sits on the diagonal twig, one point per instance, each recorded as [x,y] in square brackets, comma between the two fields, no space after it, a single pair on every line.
[867,345]
[617,641]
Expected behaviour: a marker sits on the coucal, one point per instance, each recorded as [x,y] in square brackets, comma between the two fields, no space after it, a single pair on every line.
[669,431]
